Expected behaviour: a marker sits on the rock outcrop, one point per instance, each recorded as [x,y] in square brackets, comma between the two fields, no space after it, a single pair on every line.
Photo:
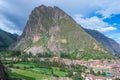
[3,74]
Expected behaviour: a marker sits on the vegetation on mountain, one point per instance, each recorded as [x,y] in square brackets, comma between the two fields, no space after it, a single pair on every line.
[6,39]
[108,43]
[50,30]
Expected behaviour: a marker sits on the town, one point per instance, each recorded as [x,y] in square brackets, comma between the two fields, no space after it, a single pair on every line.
[109,68]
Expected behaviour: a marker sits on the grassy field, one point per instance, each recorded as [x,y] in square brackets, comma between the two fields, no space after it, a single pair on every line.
[49,71]
[23,70]
[30,74]
[22,65]
[16,76]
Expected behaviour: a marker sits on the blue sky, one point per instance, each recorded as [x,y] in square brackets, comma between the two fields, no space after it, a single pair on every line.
[100,15]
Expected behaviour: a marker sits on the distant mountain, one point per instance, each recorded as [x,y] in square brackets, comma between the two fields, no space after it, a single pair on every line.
[51,30]
[108,43]
[6,39]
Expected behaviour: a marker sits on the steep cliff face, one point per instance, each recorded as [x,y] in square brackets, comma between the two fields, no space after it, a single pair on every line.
[110,44]
[49,29]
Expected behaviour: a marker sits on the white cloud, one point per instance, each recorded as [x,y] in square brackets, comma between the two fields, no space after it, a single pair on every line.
[106,8]
[108,29]
[118,40]
[114,36]
[8,26]
[94,23]
[109,8]
[1,3]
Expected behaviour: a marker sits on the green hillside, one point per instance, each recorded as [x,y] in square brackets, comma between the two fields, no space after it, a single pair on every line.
[6,39]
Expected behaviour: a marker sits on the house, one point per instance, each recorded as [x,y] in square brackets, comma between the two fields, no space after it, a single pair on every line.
[116,75]
[116,68]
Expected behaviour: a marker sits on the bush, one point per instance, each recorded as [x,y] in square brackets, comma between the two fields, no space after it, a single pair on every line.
[11,65]
[31,67]
[25,67]
[17,67]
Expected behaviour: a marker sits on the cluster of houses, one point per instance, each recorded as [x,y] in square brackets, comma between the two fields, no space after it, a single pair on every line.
[92,77]
[111,67]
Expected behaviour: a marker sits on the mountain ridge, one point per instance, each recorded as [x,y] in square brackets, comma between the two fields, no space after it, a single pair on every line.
[6,39]
[109,43]
[49,29]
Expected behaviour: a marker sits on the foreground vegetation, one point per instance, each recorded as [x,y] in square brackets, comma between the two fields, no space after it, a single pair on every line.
[30,67]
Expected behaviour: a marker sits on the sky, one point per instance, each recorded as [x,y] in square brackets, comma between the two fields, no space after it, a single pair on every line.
[100,15]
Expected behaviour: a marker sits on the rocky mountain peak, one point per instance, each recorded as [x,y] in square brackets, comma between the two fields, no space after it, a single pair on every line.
[43,17]
[51,30]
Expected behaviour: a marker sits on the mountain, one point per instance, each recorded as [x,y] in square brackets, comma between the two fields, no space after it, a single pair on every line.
[6,39]
[110,44]
[51,30]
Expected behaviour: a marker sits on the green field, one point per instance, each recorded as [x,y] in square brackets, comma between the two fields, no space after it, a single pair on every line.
[19,67]
[49,71]
[34,73]
[22,65]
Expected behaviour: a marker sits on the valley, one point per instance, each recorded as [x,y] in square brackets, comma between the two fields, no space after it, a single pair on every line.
[31,67]
[53,46]
[36,68]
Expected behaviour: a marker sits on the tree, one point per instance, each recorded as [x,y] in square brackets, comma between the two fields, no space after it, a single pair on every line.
[103,73]
[92,72]
[78,76]
[98,73]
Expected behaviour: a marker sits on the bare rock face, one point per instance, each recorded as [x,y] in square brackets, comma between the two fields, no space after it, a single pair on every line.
[42,19]
[49,29]
[35,50]
[35,39]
